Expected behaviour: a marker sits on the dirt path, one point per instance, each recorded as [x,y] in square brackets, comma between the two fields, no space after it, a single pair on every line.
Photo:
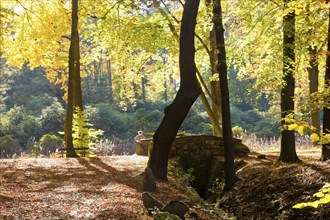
[99,188]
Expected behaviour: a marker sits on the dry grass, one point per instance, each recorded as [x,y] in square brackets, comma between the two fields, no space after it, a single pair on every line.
[303,143]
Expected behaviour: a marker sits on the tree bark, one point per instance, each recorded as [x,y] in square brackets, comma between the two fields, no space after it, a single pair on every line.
[288,147]
[326,111]
[185,98]
[109,80]
[215,87]
[214,112]
[230,175]
[313,76]
[74,83]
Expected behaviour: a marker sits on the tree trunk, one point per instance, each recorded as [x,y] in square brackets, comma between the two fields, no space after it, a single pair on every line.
[326,111]
[313,76]
[230,176]
[185,98]
[288,147]
[215,123]
[215,86]
[215,117]
[110,80]
[74,84]
[165,89]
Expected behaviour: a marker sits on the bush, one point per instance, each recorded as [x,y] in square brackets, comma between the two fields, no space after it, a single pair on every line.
[146,120]
[112,121]
[49,143]
[9,146]
[53,118]
[35,104]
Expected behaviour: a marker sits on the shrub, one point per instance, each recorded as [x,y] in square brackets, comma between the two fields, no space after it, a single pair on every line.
[237,131]
[49,143]
[53,118]
[9,146]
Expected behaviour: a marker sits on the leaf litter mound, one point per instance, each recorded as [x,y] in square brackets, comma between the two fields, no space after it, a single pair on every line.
[268,189]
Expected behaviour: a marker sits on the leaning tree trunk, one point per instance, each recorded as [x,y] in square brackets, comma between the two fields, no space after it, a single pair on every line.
[288,147]
[230,176]
[74,85]
[326,111]
[185,98]
[215,117]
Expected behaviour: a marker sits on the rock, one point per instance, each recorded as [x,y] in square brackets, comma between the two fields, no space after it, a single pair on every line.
[149,181]
[150,203]
[261,156]
[165,216]
[193,215]
[177,208]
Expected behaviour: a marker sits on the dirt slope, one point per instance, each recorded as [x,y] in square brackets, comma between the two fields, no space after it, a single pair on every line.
[268,189]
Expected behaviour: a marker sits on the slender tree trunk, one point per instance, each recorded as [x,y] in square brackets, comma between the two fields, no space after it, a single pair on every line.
[74,83]
[313,76]
[165,89]
[288,147]
[110,81]
[326,111]
[215,86]
[230,176]
[215,123]
[186,96]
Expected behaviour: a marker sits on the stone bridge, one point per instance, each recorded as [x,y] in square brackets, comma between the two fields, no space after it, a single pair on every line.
[194,144]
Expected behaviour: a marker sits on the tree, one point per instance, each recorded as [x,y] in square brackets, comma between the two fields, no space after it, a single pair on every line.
[213,110]
[230,176]
[74,84]
[188,92]
[288,147]
[326,110]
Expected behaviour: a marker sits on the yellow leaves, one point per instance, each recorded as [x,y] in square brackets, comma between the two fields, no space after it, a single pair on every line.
[302,130]
[292,127]
[35,36]
[324,197]
[314,137]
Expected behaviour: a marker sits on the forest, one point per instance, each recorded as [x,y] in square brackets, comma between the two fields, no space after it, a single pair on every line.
[79,79]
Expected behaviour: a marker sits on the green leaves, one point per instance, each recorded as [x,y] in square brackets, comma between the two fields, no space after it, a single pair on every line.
[83,133]
[323,195]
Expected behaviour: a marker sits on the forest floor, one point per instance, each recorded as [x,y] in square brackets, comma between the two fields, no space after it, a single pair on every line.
[110,188]
[268,189]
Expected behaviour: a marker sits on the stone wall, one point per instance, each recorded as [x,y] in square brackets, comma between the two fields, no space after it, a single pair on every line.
[195,145]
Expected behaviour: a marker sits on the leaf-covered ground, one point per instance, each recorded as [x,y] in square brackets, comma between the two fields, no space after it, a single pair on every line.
[110,188]
[268,189]
[81,188]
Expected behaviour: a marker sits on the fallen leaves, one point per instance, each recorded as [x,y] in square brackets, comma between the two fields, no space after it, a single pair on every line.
[95,188]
